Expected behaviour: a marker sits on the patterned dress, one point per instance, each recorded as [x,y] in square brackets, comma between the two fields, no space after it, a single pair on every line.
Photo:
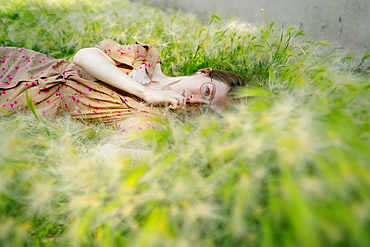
[58,87]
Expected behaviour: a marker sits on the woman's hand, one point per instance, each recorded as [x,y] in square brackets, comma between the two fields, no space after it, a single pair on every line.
[175,100]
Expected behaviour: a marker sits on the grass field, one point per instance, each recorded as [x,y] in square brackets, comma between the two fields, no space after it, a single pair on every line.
[288,165]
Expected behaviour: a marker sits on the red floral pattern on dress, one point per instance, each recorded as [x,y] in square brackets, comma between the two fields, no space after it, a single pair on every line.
[59,87]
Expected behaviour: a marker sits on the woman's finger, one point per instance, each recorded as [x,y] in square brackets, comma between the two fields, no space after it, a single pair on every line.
[177,101]
[181,103]
[174,104]
[182,100]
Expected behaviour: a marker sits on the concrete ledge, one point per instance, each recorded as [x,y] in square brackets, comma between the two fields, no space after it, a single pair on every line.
[342,22]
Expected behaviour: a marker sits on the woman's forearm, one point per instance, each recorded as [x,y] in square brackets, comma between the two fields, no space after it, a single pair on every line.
[102,67]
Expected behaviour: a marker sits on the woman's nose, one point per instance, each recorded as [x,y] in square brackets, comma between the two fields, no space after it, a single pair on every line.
[193,99]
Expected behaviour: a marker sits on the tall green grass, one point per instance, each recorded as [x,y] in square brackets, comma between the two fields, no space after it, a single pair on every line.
[288,165]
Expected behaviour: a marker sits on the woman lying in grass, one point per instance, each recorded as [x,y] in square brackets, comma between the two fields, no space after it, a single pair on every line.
[109,83]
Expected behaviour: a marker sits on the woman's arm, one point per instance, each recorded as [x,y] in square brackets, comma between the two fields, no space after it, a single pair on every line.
[99,65]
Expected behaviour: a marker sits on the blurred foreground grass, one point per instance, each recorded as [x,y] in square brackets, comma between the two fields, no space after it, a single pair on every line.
[288,166]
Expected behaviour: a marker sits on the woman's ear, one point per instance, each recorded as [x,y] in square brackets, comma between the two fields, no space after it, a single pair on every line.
[205,71]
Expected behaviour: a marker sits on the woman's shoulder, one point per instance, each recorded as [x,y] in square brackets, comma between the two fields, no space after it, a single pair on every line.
[108,43]
[109,46]
[133,55]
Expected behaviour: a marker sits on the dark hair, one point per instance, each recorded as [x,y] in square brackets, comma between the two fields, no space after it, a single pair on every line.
[229,78]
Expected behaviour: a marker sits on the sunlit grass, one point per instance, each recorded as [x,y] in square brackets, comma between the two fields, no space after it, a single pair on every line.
[288,165]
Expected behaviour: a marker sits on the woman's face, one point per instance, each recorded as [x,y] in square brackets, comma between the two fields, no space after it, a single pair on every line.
[201,89]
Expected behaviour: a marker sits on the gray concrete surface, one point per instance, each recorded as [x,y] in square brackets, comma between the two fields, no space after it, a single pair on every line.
[346,23]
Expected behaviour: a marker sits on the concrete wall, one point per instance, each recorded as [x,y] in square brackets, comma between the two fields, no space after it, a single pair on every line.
[343,22]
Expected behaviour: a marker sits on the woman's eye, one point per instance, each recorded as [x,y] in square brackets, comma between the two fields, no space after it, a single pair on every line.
[207,92]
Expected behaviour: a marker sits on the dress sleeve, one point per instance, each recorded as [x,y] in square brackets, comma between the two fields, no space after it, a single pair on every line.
[129,57]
